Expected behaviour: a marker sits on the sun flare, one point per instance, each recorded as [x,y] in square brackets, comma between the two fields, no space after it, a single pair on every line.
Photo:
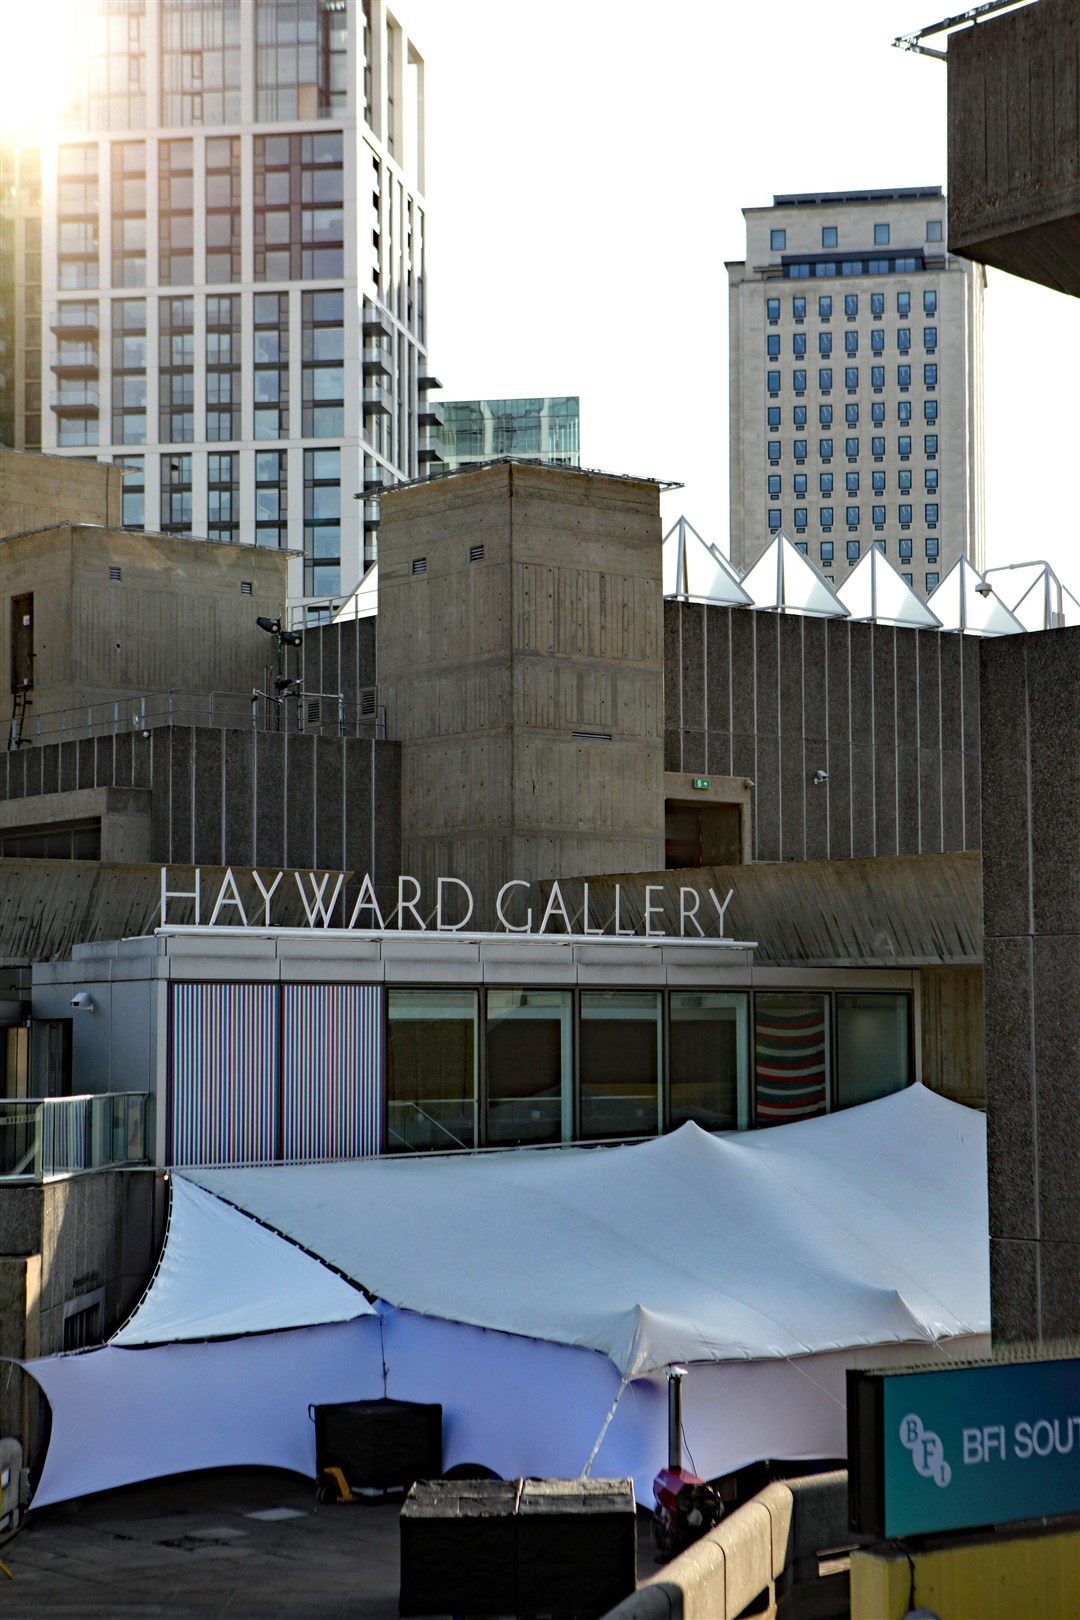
[39,53]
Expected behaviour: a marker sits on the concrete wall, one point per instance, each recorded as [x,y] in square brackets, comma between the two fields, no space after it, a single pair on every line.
[487,669]
[1014,143]
[891,715]
[178,619]
[36,490]
[1031,911]
[209,797]
[953,1045]
[340,658]
[61,1241]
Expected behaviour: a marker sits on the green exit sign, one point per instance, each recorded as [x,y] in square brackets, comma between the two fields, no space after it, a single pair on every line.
[701,781]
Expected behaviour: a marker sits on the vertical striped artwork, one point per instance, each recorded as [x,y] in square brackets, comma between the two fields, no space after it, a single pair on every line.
[64,1127]
[223,1063]
[790,1058]
[331,1105]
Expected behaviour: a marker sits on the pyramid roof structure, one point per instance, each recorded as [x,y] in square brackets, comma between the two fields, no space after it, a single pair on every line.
[364,601]
[693,567]
[782,578]
[1033,594]
[961,605]
[875,590]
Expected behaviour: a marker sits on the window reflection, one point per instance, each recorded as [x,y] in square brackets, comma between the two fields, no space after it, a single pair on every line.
[529,1066]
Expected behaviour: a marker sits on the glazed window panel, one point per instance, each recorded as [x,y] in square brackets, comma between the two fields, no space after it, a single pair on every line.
[791,1056]
[530,1044]
[619,1056]
[873,1046]
[431,1062]
[708,1059]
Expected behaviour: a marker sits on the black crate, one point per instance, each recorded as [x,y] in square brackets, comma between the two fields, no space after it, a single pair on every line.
[459,1548]
[379,1444]
[577,1546]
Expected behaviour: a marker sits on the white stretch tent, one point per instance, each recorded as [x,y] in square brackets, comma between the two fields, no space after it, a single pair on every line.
[781,1258]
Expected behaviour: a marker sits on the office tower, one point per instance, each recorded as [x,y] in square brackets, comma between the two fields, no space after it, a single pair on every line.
[856,408]
[473,430]
[20,293]
[234,272]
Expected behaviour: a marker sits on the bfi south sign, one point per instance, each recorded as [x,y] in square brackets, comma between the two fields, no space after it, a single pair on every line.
[449,911]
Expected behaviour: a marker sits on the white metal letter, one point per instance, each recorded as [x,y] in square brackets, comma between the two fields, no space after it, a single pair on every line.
[651,907]
[179,894]
[228,889]
[366,901]
[318,907]
[585,915]
[688,913]
[618,897]
[445,927]
[556,903]
[513,928]
[412,905]
[720,909]
[266,894]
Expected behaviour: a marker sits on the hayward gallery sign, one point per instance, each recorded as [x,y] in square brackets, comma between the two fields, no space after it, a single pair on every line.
[452,910]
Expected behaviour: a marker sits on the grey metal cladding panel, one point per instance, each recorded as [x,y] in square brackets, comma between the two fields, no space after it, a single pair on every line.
[907,801]
[69,761]
[907,688]
[209,787]
[673,751]
[1057,1083]
[181,770]
[1005,800]
[161,794]
[816,801]
[927,643]
[792,808]
[50,768]
[950,666]
[366,662]
[886,836]
[239,799]
[300,801]
[838,658]
[930,801]
[886,693]
[672,667]
[862,800]
[329,801]
[331,663]
[815,681]
[1010,1087]
[743,701]
[104,762]
[357,829]
[744,759]
[862,685]
[122,758]
[766,665]
[142,761]
[387,797]
[838,788]
[790,662]
[693,751]
[16,775]
[717,670]
[346,645]
[971,668]
[952,799]
[269,798]
[692,660]
[1059,1288]
[767,800]
[972,798]
[5,761]
[718,753]
[86,761]
[1053,666]
[311,658]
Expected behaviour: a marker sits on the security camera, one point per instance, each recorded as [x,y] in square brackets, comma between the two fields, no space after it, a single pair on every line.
[984,588]
[820,777]
[746,782]
[82,1002]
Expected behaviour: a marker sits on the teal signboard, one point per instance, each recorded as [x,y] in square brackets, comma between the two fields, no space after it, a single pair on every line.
[962,1447]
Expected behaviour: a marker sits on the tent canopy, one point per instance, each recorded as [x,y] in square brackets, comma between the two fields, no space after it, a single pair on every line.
[223,1274]
[860,1228]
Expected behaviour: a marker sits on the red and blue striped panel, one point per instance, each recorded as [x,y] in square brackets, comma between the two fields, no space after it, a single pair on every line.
[790,1061]
[331,1099]
[224,1073]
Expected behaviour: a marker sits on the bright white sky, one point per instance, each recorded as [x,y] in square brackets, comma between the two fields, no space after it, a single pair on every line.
[587,164]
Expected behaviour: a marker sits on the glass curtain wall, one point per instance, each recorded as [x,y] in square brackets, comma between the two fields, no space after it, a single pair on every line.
[431,1069]
[707,1055]
[529,1051]
[620,1060]
[873,1046]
